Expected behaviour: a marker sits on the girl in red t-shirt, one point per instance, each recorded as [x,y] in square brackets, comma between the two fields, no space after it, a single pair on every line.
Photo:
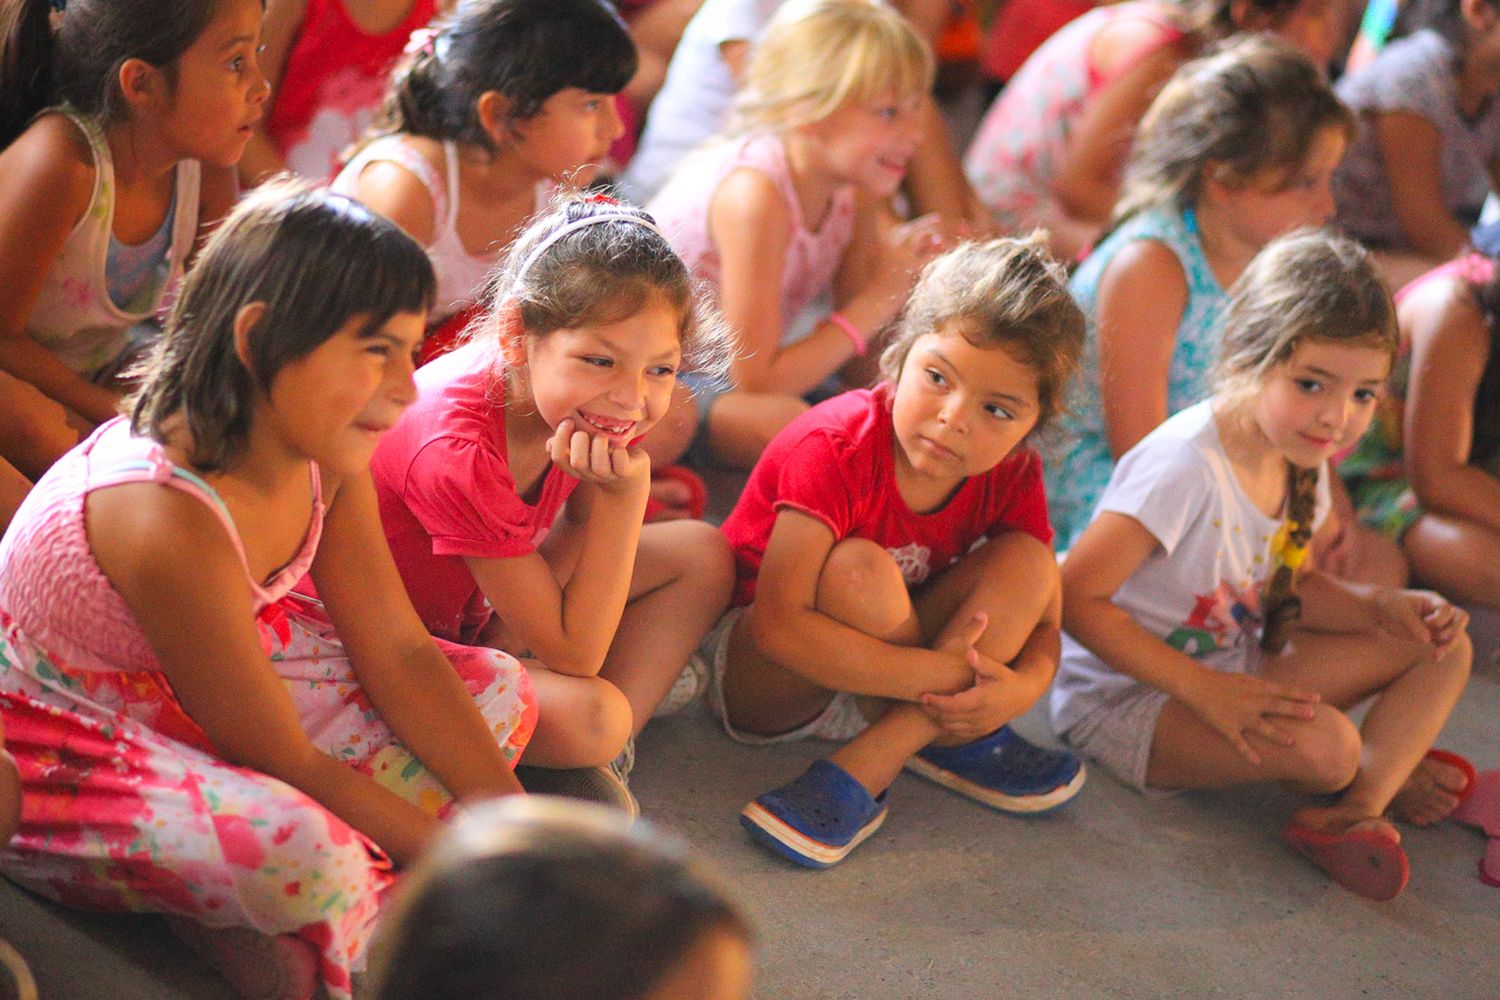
[895,562]
[512,491]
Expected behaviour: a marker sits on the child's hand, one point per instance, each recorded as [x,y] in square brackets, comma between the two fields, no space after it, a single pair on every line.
[1419,615]
[1237,704]
[593,458]
[995,698]
[906,250]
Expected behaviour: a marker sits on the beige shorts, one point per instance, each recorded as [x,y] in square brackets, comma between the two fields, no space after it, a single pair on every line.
[839,722]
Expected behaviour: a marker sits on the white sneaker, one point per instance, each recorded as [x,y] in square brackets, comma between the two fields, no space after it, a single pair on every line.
[601,783]
[689,685]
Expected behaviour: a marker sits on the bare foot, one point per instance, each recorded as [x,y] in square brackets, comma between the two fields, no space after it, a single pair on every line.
[1335,820]
[1430,794]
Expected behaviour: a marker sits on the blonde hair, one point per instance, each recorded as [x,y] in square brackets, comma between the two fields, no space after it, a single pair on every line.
[1307,285]
[1006,293]
[817,55]
[1254,104]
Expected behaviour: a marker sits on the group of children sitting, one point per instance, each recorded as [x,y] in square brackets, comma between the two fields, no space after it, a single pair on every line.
[305,602]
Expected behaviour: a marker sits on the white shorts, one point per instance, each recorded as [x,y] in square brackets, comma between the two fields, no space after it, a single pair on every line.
[839,722]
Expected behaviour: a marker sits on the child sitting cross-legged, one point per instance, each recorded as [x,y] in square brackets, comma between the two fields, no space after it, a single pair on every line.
[1191,660]
[894,564]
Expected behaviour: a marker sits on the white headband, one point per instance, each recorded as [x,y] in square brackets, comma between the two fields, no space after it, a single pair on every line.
[573,227]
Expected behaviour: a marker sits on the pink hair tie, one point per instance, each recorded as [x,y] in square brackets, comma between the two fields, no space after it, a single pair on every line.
[423,40]
[851,331]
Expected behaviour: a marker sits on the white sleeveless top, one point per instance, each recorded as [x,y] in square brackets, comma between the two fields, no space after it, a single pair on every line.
[460,275]
[74,316]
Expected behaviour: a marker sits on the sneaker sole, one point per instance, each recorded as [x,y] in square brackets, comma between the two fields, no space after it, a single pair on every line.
[770,831]
[589,784]
[1019,805]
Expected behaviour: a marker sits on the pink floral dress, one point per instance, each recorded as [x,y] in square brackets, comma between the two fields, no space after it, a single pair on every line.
[126,805]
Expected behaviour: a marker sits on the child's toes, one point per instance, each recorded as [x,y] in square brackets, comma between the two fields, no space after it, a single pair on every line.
[1430,794]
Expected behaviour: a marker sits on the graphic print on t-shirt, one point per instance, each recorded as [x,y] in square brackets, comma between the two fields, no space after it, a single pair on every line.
[1218,620]
[915,562]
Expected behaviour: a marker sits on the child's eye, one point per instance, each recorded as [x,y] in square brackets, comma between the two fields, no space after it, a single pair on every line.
[662,370]
[597,362]
[1366,395]
[998,411]
[1309,385]
[936,377]
[237,64]
[887,112]
[379,350]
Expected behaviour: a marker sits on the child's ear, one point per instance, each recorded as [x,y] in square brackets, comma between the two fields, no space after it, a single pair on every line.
[1477,14]
[493,109]
[245,321]
[141,84]
[512,334]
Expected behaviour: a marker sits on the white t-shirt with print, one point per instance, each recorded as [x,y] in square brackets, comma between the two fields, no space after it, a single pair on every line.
[1199,590]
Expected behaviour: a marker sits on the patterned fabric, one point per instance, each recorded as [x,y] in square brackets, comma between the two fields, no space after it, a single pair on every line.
[1416,76]
[1078,460]
[1375,471]
[126,805]
[460,275]
[1025,137]
[74,316]
[335,78]
[813,256]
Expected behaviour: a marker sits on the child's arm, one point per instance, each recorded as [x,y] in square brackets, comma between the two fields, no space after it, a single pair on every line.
[49,181]
[1003,691]
[1410,148]
[1330,604]
[1450,347]
[1088,180]
[751,227]
[1108,552]
[570,626]
[407,678]
[1142,296]
[786,625]
[938,184]
[278,33]
[194,605]
[399,195]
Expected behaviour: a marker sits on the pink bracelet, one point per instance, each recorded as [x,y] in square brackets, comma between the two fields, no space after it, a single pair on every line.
[841,321]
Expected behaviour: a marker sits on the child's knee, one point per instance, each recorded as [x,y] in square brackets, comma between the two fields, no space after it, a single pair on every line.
[604,721]
[862,586]
[1326,751]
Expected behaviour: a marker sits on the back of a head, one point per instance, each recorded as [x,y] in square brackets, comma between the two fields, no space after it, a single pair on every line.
[524,50]
[540,898]
[817,55]
[79,62]
[1252,105]
[1307,285]
[1216,20]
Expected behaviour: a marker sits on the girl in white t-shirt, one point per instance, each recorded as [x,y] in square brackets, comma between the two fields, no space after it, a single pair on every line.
[1178,597]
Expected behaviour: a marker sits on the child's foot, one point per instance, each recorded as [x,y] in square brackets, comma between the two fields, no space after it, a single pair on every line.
[1004,772]
[817,819]
[1439,783]
[1361,853]
[604,784]
[257,966]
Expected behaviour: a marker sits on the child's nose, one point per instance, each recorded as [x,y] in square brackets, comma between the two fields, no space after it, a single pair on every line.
[628,391]
[614,124]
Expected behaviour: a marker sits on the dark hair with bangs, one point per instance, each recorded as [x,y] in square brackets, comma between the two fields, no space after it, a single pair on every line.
[315,260]
[80,62]
[525,50]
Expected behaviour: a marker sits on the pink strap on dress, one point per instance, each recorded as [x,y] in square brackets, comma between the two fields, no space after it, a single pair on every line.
[153,466]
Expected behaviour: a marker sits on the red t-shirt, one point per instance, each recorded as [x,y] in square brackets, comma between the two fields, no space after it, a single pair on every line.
[446,492]
[836,463]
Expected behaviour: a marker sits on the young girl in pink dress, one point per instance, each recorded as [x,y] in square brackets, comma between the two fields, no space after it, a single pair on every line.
[190,741]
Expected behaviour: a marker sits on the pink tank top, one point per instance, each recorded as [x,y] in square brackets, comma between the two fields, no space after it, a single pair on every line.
[813,256]
[52,588]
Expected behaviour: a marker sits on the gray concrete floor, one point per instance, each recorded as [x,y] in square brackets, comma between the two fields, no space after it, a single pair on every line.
[1116,895]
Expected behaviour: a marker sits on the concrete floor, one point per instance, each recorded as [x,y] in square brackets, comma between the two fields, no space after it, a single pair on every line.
[1191,896]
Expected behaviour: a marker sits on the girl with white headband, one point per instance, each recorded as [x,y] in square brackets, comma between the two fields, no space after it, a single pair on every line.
[512,491]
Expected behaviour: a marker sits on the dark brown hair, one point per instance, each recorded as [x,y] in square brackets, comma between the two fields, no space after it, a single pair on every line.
[316,260]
